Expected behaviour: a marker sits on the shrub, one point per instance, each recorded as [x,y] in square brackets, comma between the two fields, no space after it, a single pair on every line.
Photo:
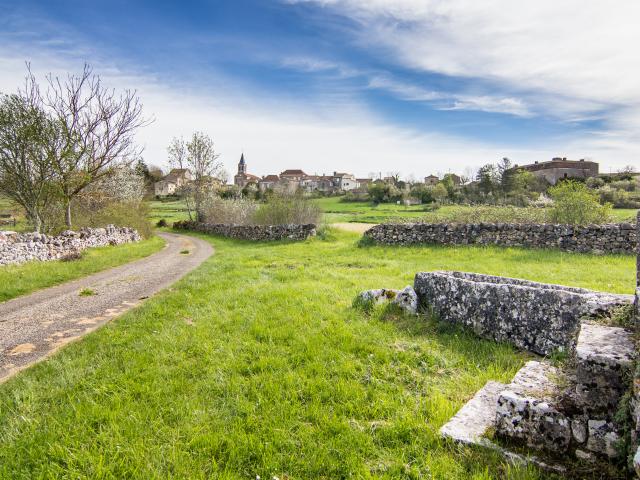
[285,209]
[575,204]
[123,214]
[238,211]
[161,223]
[276,210]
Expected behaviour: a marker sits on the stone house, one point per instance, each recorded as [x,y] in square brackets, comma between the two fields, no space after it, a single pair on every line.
[267,182]
[561,168]
[431,180]
[345,181]
[170,184]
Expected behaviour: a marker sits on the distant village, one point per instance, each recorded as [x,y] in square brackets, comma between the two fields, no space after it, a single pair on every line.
[292,180]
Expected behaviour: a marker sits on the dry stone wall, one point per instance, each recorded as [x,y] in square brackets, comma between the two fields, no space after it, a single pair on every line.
[251,232]
[533,316]
[610,238]
[23,247]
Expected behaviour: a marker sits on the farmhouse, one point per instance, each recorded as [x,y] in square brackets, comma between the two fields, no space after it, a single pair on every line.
[431,180]
[560,168]
[176,178]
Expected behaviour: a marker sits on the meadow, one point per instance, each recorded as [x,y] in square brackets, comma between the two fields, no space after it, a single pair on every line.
[337,211]
[256,364]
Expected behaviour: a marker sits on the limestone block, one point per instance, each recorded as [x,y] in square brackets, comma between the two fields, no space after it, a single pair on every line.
[604,358]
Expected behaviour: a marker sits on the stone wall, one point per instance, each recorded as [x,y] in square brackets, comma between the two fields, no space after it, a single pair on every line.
[251,232]
[611,238]
[24,247]
[534,316]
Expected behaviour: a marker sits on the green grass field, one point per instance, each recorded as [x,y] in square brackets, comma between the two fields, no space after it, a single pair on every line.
[365,212]
[171,211]
[256,364]
[16,280]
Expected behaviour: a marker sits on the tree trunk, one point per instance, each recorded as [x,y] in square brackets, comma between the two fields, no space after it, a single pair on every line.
[67,214]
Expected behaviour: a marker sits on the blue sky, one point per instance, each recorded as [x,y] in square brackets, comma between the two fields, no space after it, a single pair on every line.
[369,86]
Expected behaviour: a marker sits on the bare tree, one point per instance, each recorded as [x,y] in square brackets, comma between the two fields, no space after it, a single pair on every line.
[177,151]
[26,171]
[96,125]
[202,160]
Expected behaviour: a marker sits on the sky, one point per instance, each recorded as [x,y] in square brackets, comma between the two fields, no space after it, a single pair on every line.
[365,86]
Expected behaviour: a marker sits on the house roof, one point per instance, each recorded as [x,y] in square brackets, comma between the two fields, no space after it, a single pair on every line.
[364,180]
[432,176]
[293,172]
[270,178]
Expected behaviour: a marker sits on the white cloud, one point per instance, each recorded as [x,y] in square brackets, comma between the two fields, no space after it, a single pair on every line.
[318,136]
[572,59]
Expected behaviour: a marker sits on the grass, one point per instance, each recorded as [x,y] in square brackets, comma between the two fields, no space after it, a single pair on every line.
[170,210]
[256,364]
[87,292]
[365,212]
[16,280]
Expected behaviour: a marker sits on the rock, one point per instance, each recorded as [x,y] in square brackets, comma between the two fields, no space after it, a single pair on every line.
[527,412]
[604,357]
[19,248]
[585,456]
[603,438]
[611,238]
[538,317]
[407,299]
[579,430]
[636,462]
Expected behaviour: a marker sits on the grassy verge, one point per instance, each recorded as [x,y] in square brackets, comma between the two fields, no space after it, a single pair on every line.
[16,280]
[256,364]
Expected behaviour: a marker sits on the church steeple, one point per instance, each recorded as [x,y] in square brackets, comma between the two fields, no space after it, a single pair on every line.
[242,166]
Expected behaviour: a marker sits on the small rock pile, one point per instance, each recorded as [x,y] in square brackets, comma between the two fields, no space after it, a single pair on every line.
[24,247]
[406,298]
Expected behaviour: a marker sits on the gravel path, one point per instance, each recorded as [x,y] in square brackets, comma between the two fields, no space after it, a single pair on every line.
[354,227]
[34,326]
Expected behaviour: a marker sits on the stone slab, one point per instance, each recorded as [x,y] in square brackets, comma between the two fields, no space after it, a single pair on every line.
[472,421]
[604,363]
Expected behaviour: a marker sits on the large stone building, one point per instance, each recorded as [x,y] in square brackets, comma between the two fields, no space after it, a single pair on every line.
[560,168]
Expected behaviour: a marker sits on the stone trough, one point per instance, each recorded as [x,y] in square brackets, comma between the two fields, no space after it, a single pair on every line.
[538,317]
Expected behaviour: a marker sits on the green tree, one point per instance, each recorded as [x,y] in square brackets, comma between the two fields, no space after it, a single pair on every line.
[575,204]
[26,169]
[439,193]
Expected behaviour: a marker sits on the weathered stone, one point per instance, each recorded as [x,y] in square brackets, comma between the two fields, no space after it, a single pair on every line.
[407,300]
[585,456]
[20,248]
[636,462]
[604,357]
[251,232]
[579,430]
[534,316]
[526,410]
[474,419]
[610,238]
[603,438]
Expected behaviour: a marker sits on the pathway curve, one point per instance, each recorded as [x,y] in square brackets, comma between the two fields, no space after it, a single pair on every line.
[34,326]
